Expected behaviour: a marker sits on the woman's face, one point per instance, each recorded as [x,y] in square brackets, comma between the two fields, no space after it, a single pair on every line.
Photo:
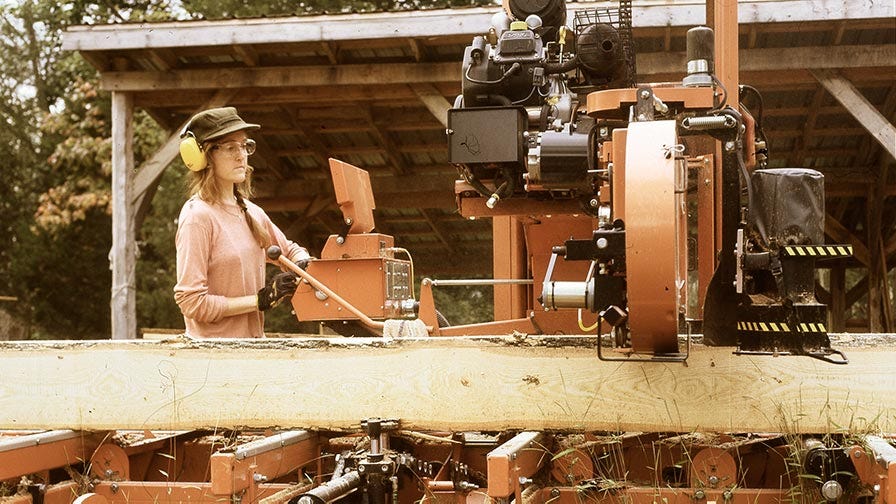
[229,157]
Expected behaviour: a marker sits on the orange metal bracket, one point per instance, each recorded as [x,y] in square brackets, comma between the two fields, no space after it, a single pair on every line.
[520,457]
[261,461]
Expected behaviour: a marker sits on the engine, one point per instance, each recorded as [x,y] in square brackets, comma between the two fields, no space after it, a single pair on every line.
[517,129]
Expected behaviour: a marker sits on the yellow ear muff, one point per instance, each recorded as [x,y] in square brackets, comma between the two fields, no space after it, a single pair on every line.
[191,153]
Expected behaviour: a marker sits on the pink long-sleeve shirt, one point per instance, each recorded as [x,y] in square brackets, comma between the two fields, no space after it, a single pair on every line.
[218,258]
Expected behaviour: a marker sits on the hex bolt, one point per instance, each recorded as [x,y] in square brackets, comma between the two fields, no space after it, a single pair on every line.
[384,468]
[713,480]
[594,202]
[259,478]
[602,243]
[645,94]
[699,495]
[729,146]
[114,487]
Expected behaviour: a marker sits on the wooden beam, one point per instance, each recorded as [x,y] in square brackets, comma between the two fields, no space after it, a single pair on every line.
[784,59]
[857,105]
[319,149]
[425,191]
[797,155]
[264,77]
[849,189]
[398,164]
[857,291]
[838,299]
[361,149]
[434,100]
[490,383]
[436,229]
[753,60]
[408,199]
[123,255]
[878,292]
[331,50]
[839,233]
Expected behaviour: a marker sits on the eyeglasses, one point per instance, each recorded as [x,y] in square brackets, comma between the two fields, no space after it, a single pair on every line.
[235,148]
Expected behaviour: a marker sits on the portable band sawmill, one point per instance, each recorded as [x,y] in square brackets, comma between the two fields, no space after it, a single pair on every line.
[627,215]
[649,205]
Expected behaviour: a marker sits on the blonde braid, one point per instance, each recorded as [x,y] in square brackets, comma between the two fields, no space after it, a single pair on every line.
[260,233]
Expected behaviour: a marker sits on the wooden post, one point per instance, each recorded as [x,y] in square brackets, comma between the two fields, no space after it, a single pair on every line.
[123,255]
[878,305]
[837,308]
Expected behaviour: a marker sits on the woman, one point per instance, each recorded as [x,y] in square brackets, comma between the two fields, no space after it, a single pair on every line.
[222,236]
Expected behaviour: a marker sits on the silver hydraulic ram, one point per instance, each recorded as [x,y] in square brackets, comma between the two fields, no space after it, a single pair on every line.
[566,294]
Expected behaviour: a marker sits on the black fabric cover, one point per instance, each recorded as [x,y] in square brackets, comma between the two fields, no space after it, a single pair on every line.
[788,206]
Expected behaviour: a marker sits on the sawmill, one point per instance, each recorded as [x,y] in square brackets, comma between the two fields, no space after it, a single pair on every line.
[672,320]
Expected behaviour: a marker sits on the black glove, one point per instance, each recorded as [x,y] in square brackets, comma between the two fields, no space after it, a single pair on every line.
[278,287]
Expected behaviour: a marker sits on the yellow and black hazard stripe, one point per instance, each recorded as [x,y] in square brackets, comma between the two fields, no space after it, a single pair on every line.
[763,326]
[780,327]
[817,251]
[811,328]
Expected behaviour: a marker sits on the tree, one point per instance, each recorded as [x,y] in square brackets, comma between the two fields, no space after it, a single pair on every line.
[54,136]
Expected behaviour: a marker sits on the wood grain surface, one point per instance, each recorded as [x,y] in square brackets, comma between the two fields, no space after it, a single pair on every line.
[496,383]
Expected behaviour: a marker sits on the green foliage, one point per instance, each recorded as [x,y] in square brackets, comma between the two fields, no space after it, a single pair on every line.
[62,286]
[55,138]
[36,78]
[464,304]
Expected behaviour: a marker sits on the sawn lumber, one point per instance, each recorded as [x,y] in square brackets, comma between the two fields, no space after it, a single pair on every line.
[483,384]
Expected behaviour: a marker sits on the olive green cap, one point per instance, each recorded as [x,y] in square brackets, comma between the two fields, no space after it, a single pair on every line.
[215,123]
